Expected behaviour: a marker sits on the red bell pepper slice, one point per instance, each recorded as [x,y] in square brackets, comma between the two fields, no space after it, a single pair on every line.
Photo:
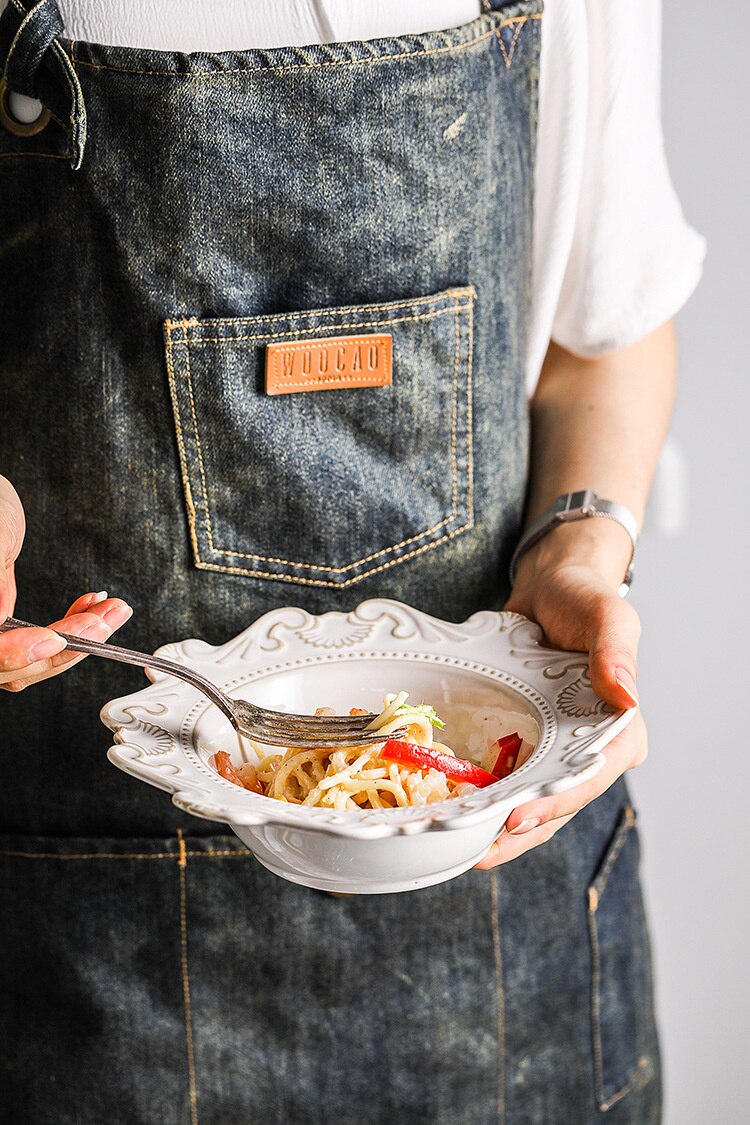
[508,748]
[457,769]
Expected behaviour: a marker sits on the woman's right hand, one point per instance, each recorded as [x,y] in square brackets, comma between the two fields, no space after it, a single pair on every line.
[29,655]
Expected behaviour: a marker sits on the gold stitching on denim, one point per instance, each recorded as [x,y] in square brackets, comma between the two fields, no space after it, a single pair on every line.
[596,1034]
[198,447]
[634,1080]
[89,855]
[628,822]
[184,324]
[470,421]
[244,854]
[46,155]
[595,891]
[350,381]
[186,980]
[408,302]
[454,412]
[284,68]
[19,29]
[349,581]
[328,327]
[508,55]
[172,378]
[500,993]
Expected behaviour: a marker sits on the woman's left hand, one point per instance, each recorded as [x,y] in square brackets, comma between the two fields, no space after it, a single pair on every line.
[578,610]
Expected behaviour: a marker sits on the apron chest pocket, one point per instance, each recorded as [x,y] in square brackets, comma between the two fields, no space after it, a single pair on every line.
[324,488]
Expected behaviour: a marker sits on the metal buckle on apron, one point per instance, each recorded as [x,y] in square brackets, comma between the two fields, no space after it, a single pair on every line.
[34,43]
[12,123]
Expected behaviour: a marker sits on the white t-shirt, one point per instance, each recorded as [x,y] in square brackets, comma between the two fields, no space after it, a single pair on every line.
[613,255]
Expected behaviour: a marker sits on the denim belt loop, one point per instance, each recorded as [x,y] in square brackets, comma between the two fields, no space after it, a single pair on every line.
[37,34]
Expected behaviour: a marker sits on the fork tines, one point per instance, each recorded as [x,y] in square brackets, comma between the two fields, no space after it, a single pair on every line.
[278,736]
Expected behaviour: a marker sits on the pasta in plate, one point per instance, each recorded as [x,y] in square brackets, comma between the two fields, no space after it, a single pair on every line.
[409,766]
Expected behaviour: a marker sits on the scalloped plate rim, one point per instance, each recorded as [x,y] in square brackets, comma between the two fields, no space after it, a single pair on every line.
[434,638]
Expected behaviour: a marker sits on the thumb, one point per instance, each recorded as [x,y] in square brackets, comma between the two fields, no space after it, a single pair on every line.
[613,651]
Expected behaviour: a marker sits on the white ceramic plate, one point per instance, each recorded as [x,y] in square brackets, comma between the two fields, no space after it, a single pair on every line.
[473,673]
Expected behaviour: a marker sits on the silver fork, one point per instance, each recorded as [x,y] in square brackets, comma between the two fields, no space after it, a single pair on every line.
[276,728]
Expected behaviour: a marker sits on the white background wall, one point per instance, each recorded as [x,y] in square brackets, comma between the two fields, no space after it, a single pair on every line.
[692,592]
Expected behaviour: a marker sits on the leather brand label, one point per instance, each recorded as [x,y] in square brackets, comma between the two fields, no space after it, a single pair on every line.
[335,363]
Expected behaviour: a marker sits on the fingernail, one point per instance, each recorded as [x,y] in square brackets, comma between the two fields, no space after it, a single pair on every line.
[42,650]
[118,615]
[100,597]
[525,826]
[627,683]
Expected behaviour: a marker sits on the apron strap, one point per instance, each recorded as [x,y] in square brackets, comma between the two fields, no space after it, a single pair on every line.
[34,63]
[36,32]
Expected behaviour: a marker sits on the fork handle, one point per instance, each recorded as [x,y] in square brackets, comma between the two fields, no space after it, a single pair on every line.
[141,659]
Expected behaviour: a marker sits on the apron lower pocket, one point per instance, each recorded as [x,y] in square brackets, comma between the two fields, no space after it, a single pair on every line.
[620,994]
[175,980]
[325,488]
[95,1023]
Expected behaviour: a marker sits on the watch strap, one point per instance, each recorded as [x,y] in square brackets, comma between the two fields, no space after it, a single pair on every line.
[571,506]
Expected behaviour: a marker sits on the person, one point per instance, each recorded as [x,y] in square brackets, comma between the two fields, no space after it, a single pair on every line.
[173,202]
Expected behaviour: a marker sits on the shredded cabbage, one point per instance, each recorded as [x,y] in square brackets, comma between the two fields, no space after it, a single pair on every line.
[423,709]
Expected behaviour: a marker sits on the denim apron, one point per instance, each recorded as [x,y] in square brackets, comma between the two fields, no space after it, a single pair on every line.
[175,215]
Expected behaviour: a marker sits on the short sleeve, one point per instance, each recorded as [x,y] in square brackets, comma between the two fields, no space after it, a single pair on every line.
[634,260]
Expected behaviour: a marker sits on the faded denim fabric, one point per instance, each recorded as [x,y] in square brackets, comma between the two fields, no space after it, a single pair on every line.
[207,206]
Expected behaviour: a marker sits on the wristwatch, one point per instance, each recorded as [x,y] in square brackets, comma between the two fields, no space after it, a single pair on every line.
[579,506]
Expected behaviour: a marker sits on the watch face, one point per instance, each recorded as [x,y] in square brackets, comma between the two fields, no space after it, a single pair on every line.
[585,500]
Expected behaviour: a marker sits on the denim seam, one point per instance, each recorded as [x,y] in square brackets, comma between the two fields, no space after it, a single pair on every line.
[189,343]
[285,68]
[124,855]
[337,585]
[600,883]
[500,994]
[508,55]
[172,379]
[409,302]
[47,155]
[470,420]
[186,979]
[200,459]
[170,325]
[20,27]
[634,1080]
[595,891]
[454,415]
